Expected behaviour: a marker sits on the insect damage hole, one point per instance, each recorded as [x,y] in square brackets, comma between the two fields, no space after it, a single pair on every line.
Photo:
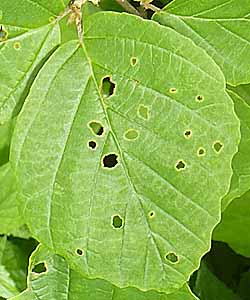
[110,160]
[143,112]
[151,214]
[188,134]
[3,34]
[217,146]
[39,268]
[133,61]
[173,90]
[92,145]
[17,45]
[180,165]
[201,152]
[79,252]
[96,127]
[131,134]
[172,258]
[108,87]
[199,98]
[117,222]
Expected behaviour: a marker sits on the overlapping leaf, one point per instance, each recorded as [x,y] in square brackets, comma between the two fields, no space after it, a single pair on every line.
[50,277]
[120,179]
[221,27]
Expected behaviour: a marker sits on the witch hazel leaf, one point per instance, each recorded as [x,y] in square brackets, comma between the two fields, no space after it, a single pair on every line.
[14,14]
[19,63]
[240,182]
[50,277]
[218,27]
[138,158]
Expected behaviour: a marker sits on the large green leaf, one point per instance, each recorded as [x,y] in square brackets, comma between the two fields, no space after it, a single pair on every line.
[209,287]
[9,213]
[221,27]
[51,278]
[240,182]
[234,226]
[127,179]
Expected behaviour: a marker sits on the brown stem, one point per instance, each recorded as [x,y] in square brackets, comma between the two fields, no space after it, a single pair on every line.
[128,7]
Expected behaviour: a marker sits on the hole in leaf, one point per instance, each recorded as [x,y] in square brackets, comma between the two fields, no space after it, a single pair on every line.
[143,111]
[201,152]
[92,144]
[172,257]
[151,214]
[39,268]
[199,98]
[79,252]
[96,127]
[173,90]
[108,87]
[181,165]
[188,134]
[3,34]
[117,222]
[133,61]
[218,146]
[17,45]
[131,134]
[110,160]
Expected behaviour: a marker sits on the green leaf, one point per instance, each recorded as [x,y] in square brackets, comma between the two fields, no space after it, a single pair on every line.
[13,14]
[221,27]
[209,287]
[118,173]
[234,226]
[9,213]
[13,265]
[21,58]
[5,139]
[240,182]
[50,277]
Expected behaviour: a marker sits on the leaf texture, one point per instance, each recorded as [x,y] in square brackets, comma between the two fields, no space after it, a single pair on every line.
[129,169]
[221,27]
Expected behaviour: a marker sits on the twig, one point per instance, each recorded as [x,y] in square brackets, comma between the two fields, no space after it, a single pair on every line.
[128,7]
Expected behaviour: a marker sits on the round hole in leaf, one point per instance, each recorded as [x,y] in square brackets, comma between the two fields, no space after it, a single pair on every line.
[79,252]
[217,146]
[117,222]
[39,268]
[3,34]
[199,98]
[131,134]
[173,90]
[96,127]
[172,258]
[108,87]
[188,134]
[92,145]
[110,160]
[181,165]
[151,214]
[143,111]
[201,152]
[133,61]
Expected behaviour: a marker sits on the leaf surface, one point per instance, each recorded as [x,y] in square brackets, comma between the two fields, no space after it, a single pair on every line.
[59,282]
[209,287]
[221,27]
[240,182]
[234,226]
[128,169]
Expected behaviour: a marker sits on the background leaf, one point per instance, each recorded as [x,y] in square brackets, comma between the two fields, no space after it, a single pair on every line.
[221,27]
